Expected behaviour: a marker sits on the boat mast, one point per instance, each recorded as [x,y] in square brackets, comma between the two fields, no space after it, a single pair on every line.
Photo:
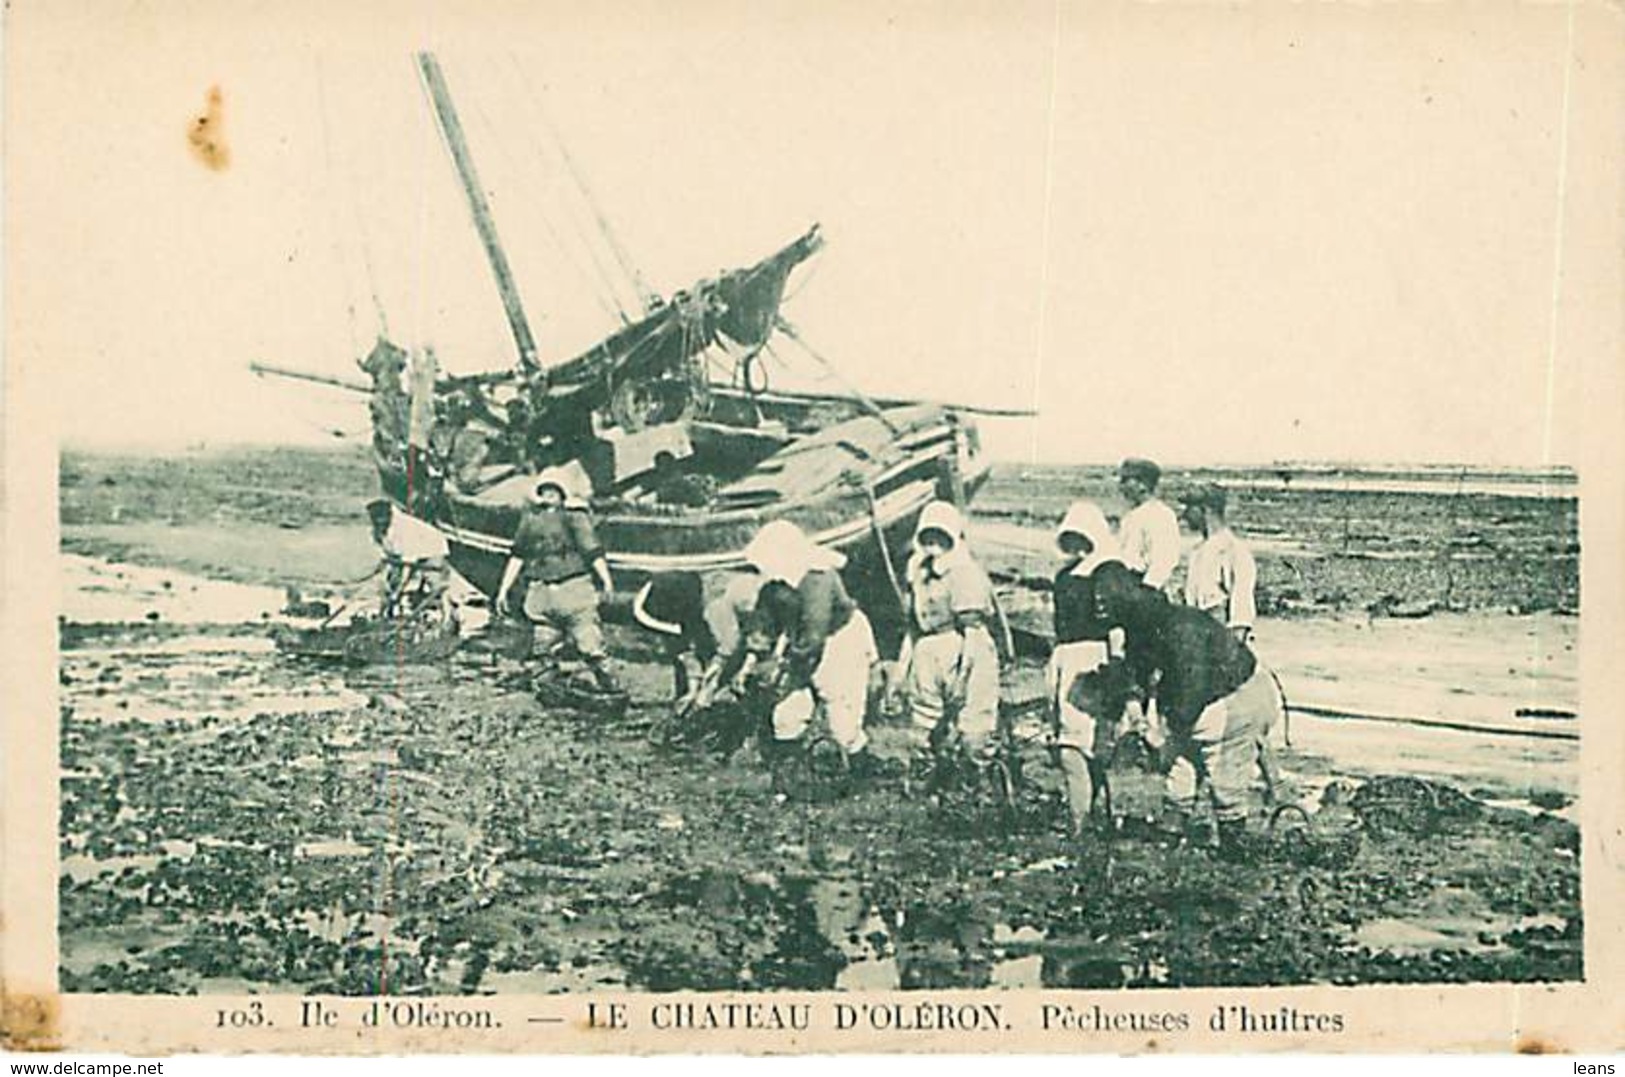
[452,129]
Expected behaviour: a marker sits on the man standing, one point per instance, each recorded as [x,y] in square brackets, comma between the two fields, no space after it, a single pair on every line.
[1221,582]
[411,553]
[1148,537]
[1222,574]
[387,403]
[1148,542]
[564,568]
[420,416]
[522,434]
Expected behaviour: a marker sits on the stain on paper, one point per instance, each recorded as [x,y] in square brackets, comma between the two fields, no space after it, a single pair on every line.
[207,133]
[30,1022]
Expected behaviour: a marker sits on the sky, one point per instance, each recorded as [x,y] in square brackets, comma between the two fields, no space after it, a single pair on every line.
[1203,234]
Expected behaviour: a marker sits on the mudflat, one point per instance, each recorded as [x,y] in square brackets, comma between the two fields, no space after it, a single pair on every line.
[235,819]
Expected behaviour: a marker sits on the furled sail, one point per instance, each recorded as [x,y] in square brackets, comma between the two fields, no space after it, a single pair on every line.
[742,305]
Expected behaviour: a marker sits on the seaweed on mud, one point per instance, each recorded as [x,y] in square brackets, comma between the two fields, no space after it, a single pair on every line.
[451,832]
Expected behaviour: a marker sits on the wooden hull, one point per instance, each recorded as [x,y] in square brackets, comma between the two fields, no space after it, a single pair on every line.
[864,483]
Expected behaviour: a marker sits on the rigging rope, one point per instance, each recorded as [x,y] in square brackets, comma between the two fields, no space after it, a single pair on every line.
[874,409]
[879,533]
[338,244]
[754,362]
[646,295]
[606,280]
[300,413]
[806,279]
[583,236]
[612,306]
[355,209]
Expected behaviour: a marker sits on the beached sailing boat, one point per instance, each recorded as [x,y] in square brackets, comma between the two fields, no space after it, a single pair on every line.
[682,467]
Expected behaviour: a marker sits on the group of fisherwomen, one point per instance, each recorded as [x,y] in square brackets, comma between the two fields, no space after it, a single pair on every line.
[1124,650]
[789,633]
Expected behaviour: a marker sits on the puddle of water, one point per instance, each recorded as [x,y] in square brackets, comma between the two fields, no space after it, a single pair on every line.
[847,921]
[1095,965]
[869,967]
[338,848]
[1039,867]
[158,709]
[1019,973]
[101,592]
[188,684]
[1403,937]
[946,953]
[165,678]
[79,867]
[84,949]
[592,977]
[335,924]
[1419,935]
[183,678]
[1569,811]
[1310,791]
[881,974]
[180,646]
[331,925]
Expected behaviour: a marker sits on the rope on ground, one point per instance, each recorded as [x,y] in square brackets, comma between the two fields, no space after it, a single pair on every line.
[1436,723]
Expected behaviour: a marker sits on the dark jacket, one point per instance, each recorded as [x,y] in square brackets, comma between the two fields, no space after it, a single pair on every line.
[1077,614]
[556,544]
[1180,655]
[679,598]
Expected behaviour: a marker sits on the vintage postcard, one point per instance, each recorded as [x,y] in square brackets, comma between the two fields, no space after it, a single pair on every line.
[901,527]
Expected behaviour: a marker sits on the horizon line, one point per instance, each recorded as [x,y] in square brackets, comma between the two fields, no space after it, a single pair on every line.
[1300,463]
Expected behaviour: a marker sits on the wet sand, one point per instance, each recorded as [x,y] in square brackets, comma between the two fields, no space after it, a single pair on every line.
[1454,672]
[237,820]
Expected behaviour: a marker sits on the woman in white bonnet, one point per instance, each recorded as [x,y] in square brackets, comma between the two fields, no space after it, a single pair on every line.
[951,658]
[1085,542]
[830,648]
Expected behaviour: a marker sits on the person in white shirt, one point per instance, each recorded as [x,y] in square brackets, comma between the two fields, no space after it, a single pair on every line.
[1222,574]
[412,552]
[1221,581]
[1149,546]
[1148,537]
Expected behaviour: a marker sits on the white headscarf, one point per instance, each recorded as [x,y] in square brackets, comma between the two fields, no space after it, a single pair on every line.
[1085,518]
[944,517]
[782,551]
[941,516]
